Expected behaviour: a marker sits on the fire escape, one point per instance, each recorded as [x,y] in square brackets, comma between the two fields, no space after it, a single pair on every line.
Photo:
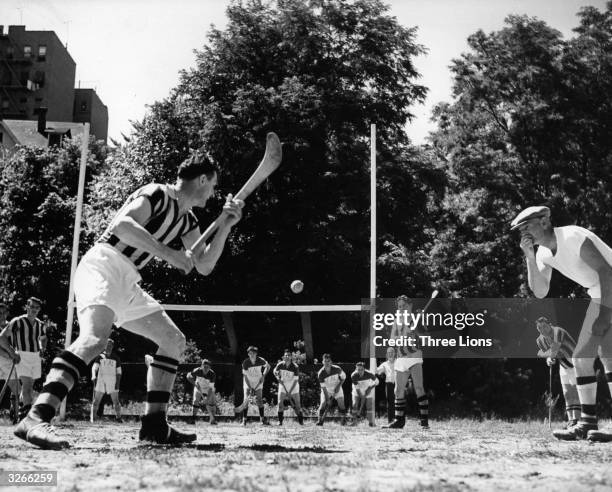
[13,62]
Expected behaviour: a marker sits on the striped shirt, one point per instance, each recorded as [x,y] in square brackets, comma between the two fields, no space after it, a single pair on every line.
[566,348]
[165,224]
[25,334]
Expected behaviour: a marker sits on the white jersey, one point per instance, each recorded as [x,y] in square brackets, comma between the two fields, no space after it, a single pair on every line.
[567,258]
[406,356]
[388,369]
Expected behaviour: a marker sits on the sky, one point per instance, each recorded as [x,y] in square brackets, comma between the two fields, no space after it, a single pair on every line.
[131,51]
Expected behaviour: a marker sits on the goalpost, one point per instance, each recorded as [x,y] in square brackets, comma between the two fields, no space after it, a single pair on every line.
[304,310]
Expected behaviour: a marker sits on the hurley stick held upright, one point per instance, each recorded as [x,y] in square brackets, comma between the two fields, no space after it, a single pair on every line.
[271,160]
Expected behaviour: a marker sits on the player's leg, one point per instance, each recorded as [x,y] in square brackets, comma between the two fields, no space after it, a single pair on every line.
[419,389]
[260,406]
[95,403]
[114,395]
[570,394]
[211,405]
[605,355]
[95,324]
[195,402]
[401,380]
[339,397]
[322,409]
[355,405]
[170,341]
[298,407]
[282,396]
[390,391]
[369,408]
[27,391]
[586,382]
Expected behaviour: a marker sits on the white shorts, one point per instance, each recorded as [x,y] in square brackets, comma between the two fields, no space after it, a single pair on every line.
[405,363]
[106,385]
[567,376]
[199,396]
[29,365]
[282,394]
[5,368]
[106,277]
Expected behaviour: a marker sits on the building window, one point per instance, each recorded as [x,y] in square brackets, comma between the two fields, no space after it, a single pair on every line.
[27,51]
[42,52]
[39,78]
[83,105]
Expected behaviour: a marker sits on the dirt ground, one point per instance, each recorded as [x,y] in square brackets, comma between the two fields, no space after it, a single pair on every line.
[452,455]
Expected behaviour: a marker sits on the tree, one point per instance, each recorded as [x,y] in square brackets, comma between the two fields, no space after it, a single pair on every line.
[529,124]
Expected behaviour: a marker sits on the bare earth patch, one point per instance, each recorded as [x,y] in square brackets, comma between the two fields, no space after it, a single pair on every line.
[452,455]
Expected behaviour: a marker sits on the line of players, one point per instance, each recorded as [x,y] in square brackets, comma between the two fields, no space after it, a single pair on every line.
[330,378]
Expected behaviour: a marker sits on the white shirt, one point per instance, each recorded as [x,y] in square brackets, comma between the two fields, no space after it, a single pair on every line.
[567,259]
[388,368]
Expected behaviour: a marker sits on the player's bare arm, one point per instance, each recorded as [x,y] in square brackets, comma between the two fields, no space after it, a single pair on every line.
[206,256]
[592,257]
[538,280]
[5,346]
[128,227]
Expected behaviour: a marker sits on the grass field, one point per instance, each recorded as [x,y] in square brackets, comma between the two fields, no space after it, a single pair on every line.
[452,455]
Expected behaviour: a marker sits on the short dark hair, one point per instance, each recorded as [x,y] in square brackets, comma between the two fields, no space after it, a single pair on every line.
[205,361]
[252,348]
[542,319]
[326,356]
[34,299]
[404,297]
[360,364]
[195,165]
[287,351]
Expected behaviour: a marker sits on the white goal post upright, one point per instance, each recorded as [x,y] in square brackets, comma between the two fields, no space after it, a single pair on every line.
[75,245]
[372,237]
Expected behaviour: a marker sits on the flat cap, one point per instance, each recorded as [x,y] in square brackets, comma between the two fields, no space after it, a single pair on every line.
[528,214]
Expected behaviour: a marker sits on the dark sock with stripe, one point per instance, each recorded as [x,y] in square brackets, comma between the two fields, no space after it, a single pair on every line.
[160,379]
[65,372]
[261,412]
[587,391]
[423,403]
[281,416]
[400,408]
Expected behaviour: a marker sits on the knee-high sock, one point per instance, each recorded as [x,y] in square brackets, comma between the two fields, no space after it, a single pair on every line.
[65,372]
[609,380]
[400,408]
[587,392]
[423,403]
[160,379]
[572,402]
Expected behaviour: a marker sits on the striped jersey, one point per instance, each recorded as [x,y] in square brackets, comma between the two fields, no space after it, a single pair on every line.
[106,366]
[288,374]
[331,378]
[254,370]
[364,381]
[165,224]
[25,334]
[204,381]
[568,344]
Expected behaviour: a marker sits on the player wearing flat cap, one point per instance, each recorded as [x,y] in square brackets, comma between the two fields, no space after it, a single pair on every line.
[584,258]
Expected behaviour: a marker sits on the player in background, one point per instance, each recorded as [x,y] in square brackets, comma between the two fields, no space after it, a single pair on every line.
[388,369]
[288,375]
[254,371]
[8,357]
[409,364]
[364,383]
[583,257]
[106,377]
[330,378]
[28,334]
[203,380]
[556,344]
